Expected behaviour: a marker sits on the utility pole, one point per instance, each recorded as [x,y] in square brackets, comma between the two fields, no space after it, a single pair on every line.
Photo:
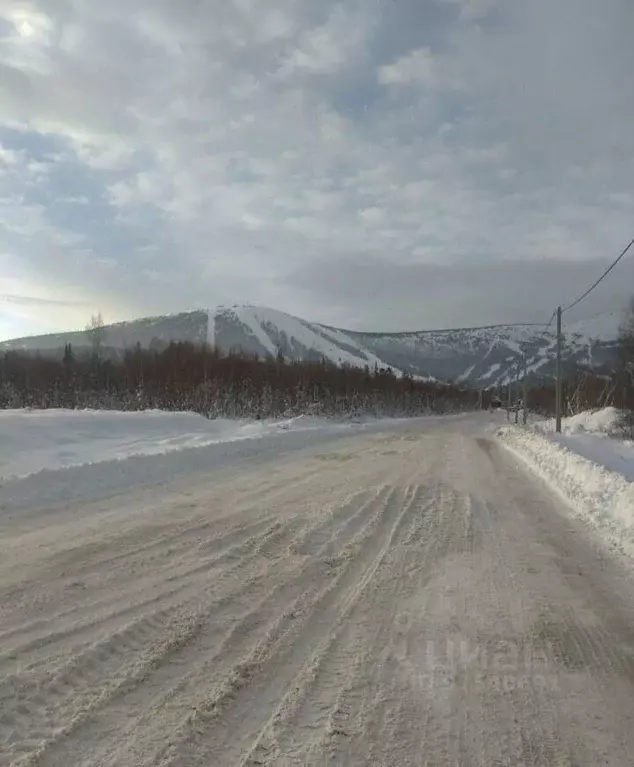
[525,392]
[558,375]
[517,388]
[508,403]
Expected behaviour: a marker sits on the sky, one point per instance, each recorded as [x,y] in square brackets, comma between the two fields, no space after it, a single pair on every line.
[370,164]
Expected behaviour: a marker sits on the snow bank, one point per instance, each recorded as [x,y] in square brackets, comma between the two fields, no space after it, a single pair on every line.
[53,458]
[605,422]
[593,435]
[603,498]
[33,440]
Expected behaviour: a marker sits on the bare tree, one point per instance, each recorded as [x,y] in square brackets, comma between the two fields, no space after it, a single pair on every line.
[96,332]
[625,373]
[626,338]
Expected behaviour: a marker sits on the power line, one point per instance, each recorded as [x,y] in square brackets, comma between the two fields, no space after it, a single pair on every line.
[403,333]
[548,324]
[538,338]
[601,278]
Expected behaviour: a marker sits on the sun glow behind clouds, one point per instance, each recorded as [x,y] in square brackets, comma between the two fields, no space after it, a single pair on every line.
[305,155]
[31,25]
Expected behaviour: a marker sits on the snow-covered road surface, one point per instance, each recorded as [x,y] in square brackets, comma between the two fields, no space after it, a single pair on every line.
[398,598]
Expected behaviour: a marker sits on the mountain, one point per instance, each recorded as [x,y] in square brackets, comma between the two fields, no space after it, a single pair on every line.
[484,357]
[148,331]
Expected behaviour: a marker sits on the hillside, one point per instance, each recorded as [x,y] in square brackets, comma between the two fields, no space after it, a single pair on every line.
[483,357]
[147,331]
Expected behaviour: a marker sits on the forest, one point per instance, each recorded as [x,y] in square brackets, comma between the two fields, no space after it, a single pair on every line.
[202,379]
[199,378]
[587,390]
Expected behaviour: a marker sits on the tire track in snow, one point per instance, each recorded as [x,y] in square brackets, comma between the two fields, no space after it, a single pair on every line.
[236,559]
[124,657]
[277,594]
[331,694]
[400,714]
[315,698]
[173,537]
[180,577]
[312,648]
[183,580]
[263,676]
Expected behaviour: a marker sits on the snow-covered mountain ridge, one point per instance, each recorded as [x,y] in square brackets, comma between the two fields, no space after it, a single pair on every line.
[484,356]
[481,356]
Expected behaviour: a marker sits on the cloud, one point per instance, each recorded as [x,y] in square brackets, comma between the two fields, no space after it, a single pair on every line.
[527,290]
[416,67]
[160,155]
[331,46]
[473,10]
[37,301]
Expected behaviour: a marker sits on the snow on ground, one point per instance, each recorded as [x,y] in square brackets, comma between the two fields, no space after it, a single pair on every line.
[32,440]
[593,471]
[593,435]
[51,457]
[603,326]
[394,599]
[614,454]
[605,421]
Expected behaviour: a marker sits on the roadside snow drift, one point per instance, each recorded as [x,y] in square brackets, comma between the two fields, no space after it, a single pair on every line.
[605,422]
[593,435]
[602,497]
[57,457]
[33,440]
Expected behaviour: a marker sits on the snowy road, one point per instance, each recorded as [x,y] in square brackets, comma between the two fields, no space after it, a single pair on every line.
[399,598]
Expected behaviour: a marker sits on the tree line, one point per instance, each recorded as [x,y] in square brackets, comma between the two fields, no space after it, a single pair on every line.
[185,376]
[202,379]
[586,390]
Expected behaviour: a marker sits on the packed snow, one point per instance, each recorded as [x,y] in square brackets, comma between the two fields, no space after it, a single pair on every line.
[51,457]
[392,599]
[592,469]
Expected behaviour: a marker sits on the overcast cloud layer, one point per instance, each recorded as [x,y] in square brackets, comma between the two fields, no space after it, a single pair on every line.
[378,164]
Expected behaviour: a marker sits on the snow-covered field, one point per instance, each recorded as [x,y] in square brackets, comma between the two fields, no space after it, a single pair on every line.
[50,457]
[589,465]
[33,440]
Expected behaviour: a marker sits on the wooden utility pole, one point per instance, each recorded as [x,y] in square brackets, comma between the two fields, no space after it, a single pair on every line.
[517,388]
[558,375]
[508,403]
[525,392]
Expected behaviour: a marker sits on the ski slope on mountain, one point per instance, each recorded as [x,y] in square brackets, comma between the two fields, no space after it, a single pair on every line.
[486,356]
[295,338]
[483,357]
